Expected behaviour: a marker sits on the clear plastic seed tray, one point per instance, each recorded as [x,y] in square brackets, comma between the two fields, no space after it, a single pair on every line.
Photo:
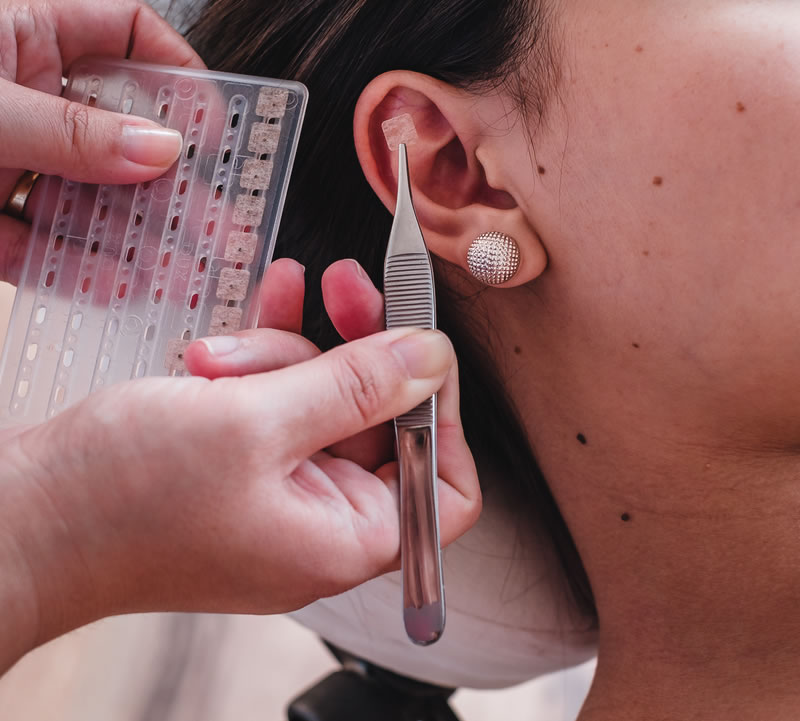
[119,279]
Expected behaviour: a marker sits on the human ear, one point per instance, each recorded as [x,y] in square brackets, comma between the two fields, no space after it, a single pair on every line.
[458,181]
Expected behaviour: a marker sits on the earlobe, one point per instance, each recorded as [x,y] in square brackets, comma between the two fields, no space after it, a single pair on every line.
[450,163]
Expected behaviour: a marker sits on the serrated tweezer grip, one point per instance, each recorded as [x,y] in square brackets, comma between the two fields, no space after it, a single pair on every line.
[410,301]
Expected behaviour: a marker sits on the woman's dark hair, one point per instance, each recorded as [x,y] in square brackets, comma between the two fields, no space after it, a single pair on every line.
[335,47]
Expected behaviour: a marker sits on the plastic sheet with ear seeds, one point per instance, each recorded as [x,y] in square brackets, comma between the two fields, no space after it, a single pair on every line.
[118,280]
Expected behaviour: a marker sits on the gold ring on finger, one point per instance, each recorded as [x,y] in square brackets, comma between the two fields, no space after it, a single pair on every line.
[15,205]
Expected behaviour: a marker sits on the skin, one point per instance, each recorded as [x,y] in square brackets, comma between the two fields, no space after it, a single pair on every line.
[655,314]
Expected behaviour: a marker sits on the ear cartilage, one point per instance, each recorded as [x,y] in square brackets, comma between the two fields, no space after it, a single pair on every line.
[399,130]
[117,280]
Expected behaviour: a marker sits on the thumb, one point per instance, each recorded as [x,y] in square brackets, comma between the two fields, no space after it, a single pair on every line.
[51,135]
[353,387]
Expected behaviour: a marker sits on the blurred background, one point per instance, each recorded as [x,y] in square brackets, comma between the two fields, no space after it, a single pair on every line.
[184,667]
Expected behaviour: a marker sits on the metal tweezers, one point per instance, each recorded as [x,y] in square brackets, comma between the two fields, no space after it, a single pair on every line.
[410,301]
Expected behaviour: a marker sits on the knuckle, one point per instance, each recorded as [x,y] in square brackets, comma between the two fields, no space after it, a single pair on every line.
[76,123]
[359,386]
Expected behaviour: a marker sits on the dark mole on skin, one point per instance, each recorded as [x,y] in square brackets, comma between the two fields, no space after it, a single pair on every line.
[740,107]
[581,439]
[517,350]
[658,180]
[625,517]
[637,346]
[542,170]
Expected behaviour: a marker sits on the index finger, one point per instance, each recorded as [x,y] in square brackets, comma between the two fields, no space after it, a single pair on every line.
[353,303]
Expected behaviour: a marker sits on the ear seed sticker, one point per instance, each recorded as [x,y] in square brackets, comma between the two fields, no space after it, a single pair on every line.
[249,209]
[225,320]
[272,102]
[264,138]
[256,174]
[233,284]
[241,247]
[399,130]
[175,354]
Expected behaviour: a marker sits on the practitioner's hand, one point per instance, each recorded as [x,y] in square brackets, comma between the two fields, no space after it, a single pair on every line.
[192,494]
[42,132]
[356,309]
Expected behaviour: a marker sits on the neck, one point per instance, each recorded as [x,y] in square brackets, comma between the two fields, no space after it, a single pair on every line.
[659,693]
[690,536]
[697,589]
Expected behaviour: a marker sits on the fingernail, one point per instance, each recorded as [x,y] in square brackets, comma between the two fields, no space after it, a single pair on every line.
[425,353]
[360,270]
[151,146]
[219,345]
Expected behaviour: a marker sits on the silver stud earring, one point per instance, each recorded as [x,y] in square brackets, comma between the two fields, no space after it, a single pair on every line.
[493,258]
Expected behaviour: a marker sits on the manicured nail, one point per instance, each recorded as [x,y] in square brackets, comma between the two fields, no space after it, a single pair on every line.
[425,353]
[219,345]
[157,147]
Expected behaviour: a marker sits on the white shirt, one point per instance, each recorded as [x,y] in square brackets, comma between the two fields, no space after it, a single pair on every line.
[509,617]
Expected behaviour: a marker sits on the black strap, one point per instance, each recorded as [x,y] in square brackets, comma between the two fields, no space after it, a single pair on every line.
[363,691]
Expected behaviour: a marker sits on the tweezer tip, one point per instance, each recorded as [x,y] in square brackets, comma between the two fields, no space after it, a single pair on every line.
[403,181]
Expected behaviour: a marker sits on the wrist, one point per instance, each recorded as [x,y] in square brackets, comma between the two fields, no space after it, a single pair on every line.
[18,609]
[19,603]
[45,589]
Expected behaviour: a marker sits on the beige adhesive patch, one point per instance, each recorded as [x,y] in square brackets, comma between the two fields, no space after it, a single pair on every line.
[272,102]
[241,247]
[174,361]
[233,284]
[256,174]
[263,138]
[224,320]
[249,209]
[399,130]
